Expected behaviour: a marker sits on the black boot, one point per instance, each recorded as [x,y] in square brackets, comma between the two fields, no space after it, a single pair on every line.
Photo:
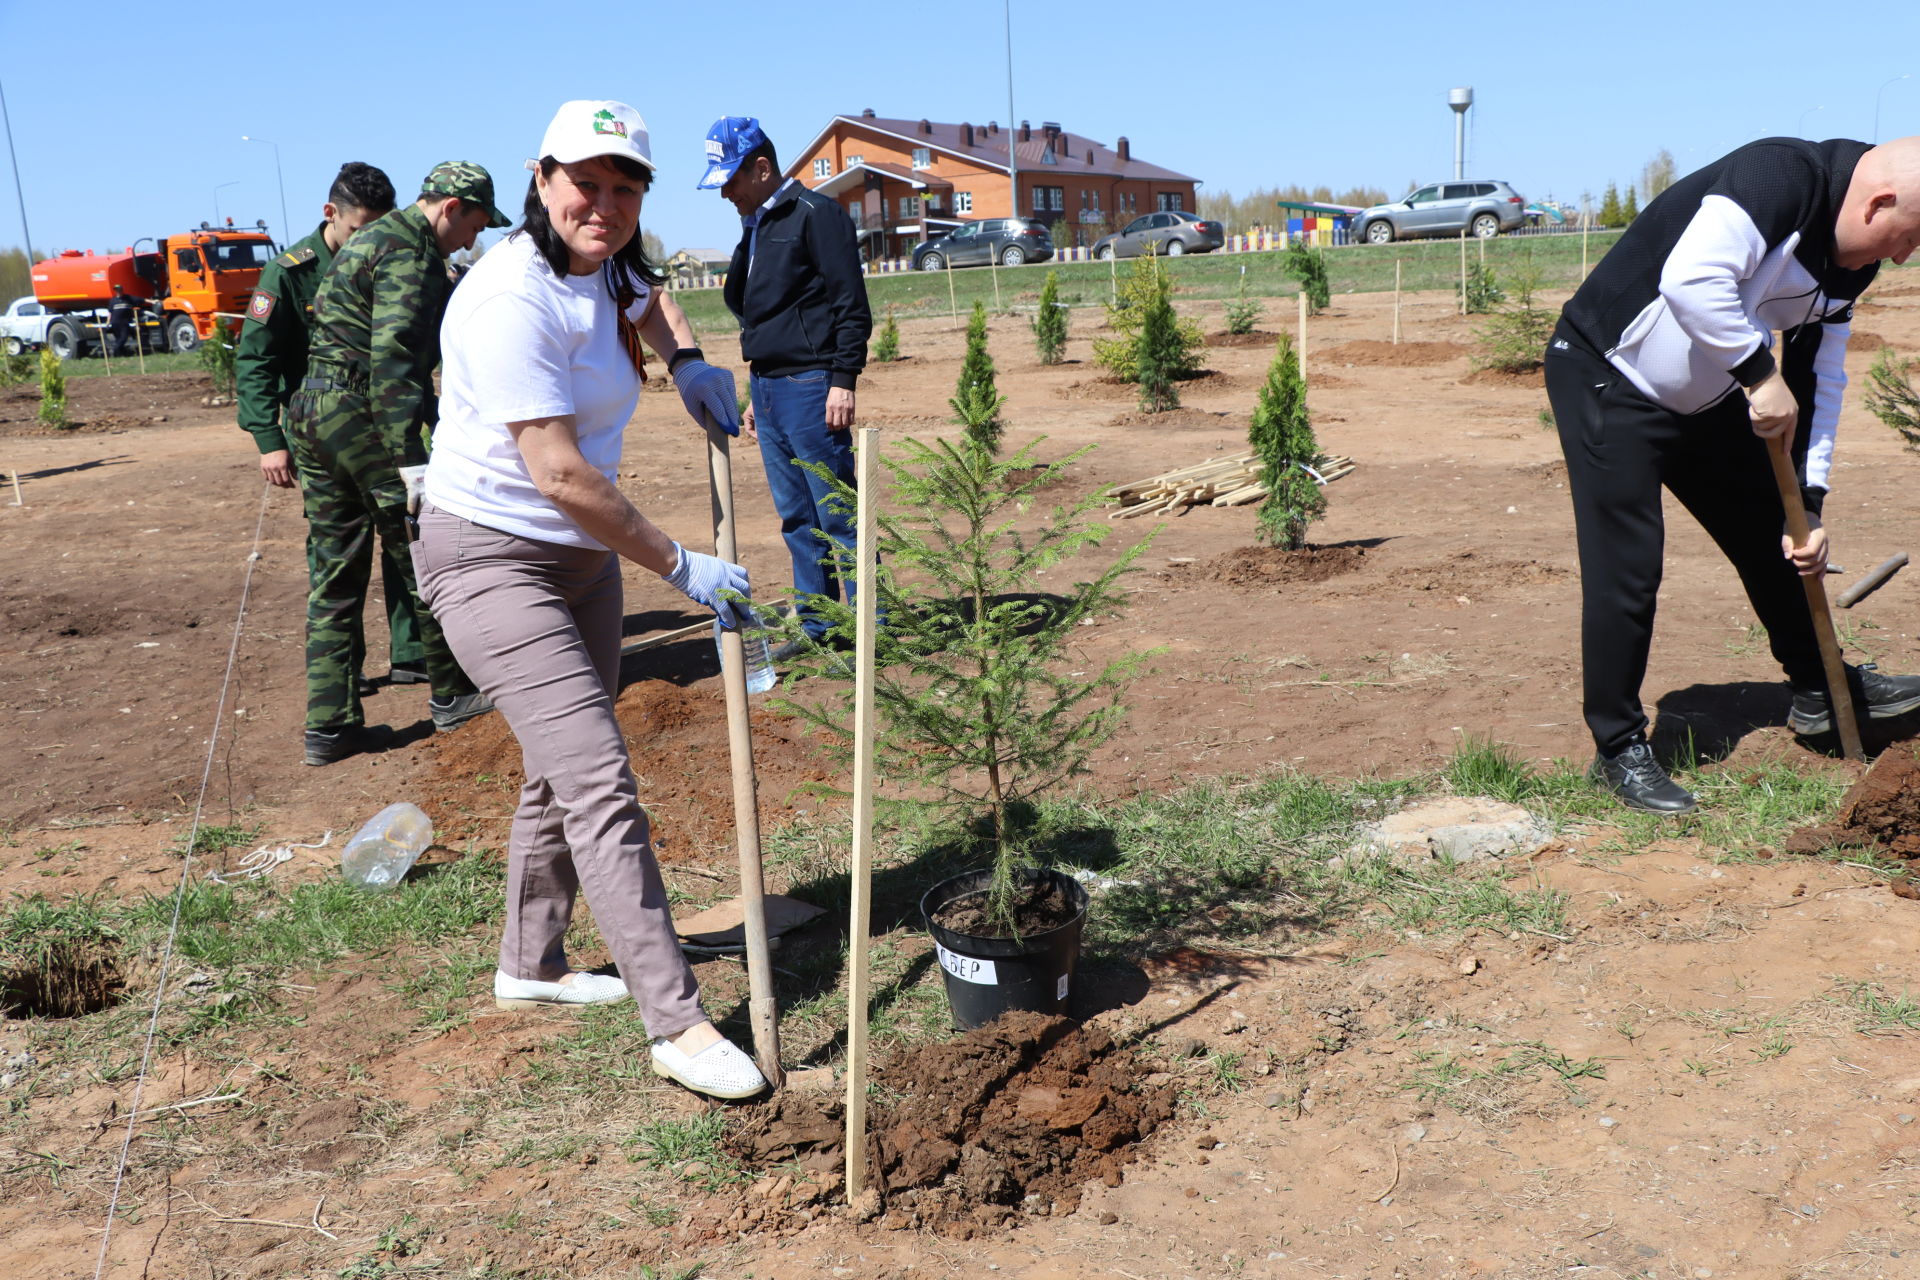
[328,746]
[1639,780]
[1875,696]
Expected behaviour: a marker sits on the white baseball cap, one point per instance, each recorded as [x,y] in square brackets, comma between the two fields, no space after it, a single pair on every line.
[587,128]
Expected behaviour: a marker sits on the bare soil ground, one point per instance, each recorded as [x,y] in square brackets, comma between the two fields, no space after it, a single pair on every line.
[1687,1084]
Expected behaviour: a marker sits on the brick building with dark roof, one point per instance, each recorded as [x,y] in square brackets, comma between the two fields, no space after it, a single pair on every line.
[902,181]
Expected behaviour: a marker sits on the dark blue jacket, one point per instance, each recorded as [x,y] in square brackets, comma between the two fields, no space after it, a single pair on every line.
[803,306]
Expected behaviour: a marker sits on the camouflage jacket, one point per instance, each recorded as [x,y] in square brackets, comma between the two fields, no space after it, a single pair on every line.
[377,317]
[272,354]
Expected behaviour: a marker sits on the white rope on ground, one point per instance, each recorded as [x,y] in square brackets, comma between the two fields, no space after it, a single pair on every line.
[180,891]
[264,860]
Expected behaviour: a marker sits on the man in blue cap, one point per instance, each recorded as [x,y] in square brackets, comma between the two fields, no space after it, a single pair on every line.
[796,288]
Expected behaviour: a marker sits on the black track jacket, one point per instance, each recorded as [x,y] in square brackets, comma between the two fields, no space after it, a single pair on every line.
[1685,303]
[801,302]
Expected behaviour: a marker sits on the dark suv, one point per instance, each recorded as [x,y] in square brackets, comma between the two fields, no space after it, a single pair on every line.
[974,244]
[1444,209]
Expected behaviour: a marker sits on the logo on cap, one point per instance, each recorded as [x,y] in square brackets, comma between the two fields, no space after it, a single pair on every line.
[604,122]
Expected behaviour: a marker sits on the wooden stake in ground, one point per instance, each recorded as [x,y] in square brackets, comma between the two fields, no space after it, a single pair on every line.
[1839,696]
[860,916]
[1303,333]
[1463,272]
[762,1006]
[994,262]
[953,305]
[15,473]
[1586,225]
[1396,302]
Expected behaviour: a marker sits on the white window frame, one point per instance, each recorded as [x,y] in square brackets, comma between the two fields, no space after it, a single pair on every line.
[963,202]
[823,167]
[854,160]
[923,157]
[909,206]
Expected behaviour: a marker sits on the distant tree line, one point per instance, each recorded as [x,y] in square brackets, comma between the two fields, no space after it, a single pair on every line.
[16,275]
[1257,207]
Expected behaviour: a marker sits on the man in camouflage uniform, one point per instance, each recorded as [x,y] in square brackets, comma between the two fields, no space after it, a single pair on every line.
[365,409]
[272,358]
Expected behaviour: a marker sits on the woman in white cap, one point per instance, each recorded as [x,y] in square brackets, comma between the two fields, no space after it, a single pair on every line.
[520,537]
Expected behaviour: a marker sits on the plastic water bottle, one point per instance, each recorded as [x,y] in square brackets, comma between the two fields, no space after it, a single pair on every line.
[760,673]
[382,852]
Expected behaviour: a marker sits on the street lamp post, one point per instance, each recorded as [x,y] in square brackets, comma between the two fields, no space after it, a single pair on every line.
[286,226]
[216,198]
[1800,129]
[1876,104]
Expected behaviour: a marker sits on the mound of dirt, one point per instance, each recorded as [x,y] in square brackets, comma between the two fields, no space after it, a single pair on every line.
[678,740]
[1253,567]
[1370,352]
[1172,419]
[1255,338]
[1020,1114]
[1098,389]
[1880,812]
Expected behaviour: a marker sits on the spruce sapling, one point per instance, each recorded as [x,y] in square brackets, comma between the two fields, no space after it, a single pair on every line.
[982,700]
[976,402]
[1243,312]
[1891,397]
[1310,269]
[1050,322]
[1282,436]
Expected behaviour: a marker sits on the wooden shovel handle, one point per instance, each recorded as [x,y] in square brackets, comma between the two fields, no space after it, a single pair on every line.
[1838,693]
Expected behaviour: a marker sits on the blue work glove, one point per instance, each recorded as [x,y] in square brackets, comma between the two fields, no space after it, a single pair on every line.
[709,391]
[702,579]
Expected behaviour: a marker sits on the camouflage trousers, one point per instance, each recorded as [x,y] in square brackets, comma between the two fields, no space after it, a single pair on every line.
[351,488]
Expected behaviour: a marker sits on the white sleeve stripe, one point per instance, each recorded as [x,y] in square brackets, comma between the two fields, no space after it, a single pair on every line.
[1701,280]
[1829,381]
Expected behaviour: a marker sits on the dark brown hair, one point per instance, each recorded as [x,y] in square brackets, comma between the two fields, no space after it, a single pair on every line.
[631,257]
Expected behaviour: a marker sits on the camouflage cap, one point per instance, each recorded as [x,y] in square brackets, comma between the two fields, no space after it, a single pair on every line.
[470,182]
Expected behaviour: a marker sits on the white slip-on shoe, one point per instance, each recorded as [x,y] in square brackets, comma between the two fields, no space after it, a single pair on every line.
[586,988]
[720,1070]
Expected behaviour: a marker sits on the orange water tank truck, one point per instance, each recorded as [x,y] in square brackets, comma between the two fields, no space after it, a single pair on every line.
[183,284]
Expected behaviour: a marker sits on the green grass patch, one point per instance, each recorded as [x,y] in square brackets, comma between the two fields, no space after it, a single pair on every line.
[1425,264]
[689,1148]
[1880,1013]
[214,839]
[1496,1089]
[123,366]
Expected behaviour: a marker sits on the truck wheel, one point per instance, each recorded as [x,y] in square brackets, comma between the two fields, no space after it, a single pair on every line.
[181,335]
[16,347]
[63,341]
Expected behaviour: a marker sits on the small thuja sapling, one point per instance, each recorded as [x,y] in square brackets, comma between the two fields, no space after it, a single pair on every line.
[216,357]
[1483,293]
[1891,397]
[1310,269]
[1282,438]
[53,390]
[1050,322]
[980,698]
[1160,354]
[886,348]
[1119,355]
[1243,312]
[976,401]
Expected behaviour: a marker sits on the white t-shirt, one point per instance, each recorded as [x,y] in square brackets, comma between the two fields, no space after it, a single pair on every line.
[520,343]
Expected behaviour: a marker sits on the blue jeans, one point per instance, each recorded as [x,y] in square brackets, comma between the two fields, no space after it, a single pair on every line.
[790,414]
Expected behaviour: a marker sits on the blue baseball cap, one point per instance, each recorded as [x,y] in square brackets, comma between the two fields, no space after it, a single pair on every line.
[730,141]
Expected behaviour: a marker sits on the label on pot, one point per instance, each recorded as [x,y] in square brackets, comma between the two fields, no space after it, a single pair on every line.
[1061,994]
[967,968]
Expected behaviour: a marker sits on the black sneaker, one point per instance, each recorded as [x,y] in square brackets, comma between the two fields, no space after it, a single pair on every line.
[450,713]
[407,675]
[1640,782]
[329,746]
[1879,697]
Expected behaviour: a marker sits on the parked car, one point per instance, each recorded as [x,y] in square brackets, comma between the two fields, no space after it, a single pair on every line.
[24,326]
[1444,209]
[1171,231]
[1011,241]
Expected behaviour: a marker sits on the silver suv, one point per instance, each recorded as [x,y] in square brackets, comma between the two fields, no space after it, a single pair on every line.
[1444,209]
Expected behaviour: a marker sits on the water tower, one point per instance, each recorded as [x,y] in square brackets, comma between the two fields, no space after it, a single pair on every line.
[1460,100]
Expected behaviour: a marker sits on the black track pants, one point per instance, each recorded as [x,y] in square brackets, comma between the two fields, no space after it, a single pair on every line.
[1620,449]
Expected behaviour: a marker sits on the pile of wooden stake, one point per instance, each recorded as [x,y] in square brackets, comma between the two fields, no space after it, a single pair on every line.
[1222,482]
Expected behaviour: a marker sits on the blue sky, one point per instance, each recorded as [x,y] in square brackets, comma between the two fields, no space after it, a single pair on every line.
[1240,95]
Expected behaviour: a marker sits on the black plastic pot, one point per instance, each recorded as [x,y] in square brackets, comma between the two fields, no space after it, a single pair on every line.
[987,977]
